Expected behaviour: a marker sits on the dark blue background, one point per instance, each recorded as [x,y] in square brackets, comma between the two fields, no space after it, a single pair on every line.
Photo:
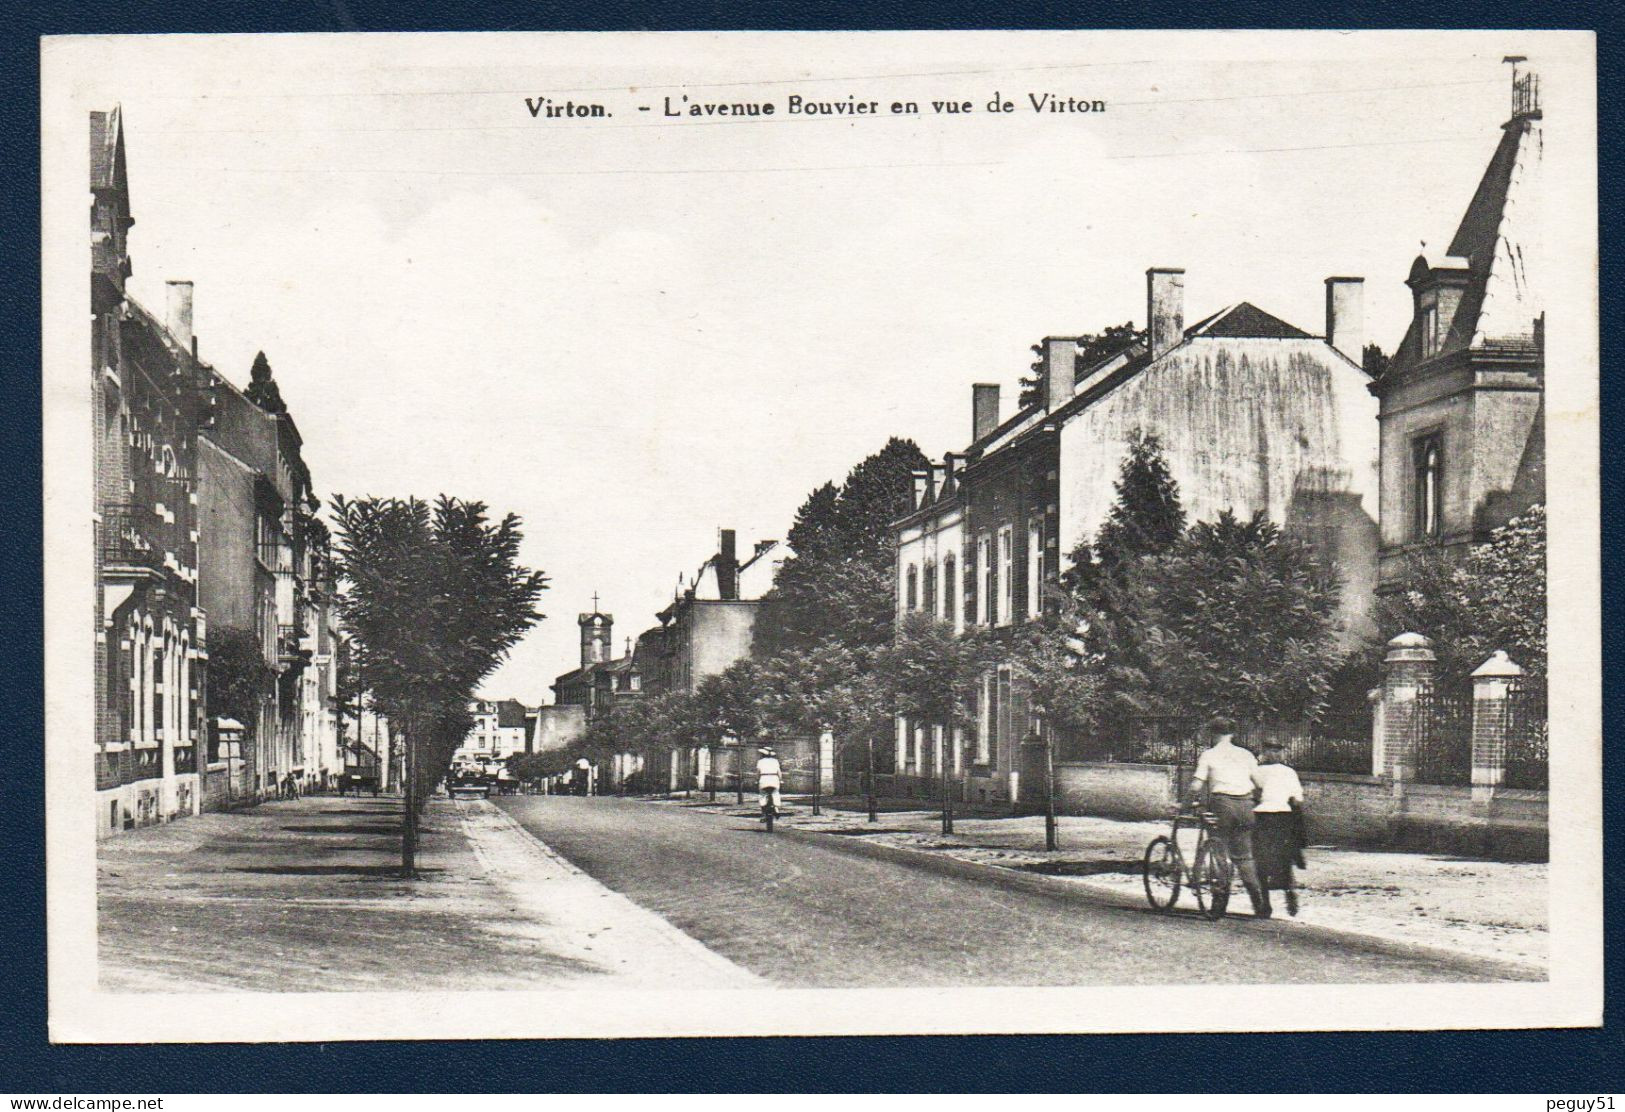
[1543,1062]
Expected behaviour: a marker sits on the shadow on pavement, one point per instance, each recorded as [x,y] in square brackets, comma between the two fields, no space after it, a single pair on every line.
[1125,866]
[351,828]
[388,871]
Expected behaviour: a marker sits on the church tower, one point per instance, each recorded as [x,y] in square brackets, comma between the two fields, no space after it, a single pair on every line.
[597,630]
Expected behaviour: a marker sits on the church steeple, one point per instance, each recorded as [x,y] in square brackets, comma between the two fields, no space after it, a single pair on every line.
[597,635]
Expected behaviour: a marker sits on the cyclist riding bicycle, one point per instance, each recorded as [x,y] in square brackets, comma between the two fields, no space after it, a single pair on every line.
[768,772]
[1229,774]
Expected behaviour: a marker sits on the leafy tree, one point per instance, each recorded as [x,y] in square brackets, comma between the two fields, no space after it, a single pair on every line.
[928,675]
[262,388]
[1050,659]
[238,677]
[840,576]
[1493,599]
[1146,520]
[1374,360]
[1237,617]
[434,597]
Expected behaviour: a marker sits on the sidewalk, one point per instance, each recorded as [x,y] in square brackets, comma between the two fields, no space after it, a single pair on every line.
[1492,909]
[305,896]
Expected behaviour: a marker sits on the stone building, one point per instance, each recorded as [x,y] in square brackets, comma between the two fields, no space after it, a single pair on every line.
[151,646]
[1463,398]
[501,729]
[1253,414]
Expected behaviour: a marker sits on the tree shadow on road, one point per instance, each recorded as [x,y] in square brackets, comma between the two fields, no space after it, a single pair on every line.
[1123,865]
[351,828]
[391,872]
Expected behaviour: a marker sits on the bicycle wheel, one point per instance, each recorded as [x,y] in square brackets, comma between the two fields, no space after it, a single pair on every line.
[1163,873]
[1212,879]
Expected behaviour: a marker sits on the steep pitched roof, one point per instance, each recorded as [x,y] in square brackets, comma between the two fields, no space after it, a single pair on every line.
[1499,236]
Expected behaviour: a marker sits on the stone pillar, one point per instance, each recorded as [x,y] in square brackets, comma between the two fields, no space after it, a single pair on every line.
[1493,681]
[826,763]
[1373,698]
[1407,671]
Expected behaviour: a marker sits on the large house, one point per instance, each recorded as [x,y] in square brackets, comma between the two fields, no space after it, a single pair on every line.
[1253,414]
[1463,398]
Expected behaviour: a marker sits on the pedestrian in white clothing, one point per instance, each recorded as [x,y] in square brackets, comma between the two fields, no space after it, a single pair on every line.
[1225,771]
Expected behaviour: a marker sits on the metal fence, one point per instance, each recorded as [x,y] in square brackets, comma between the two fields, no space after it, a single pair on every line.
[1527,737]
[1178,740]
[1442,737]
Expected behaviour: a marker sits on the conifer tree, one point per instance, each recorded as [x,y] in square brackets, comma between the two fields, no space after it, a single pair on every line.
[262,388]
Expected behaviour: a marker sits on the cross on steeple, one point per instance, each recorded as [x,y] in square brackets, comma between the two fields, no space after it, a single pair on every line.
[595,602]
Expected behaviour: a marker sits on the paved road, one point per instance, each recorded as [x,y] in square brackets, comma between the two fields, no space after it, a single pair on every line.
[805,915]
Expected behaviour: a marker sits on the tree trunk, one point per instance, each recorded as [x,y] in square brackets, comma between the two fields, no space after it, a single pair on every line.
[1052,840]
[947,795]
[869,782]
[409,831]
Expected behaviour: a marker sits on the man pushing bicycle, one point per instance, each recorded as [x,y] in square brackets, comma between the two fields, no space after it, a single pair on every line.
[1228,774]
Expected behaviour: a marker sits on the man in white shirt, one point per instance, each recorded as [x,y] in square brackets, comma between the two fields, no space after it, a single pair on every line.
[1227,772]
[768,772]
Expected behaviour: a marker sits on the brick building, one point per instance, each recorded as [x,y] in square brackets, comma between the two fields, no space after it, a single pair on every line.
[151,647]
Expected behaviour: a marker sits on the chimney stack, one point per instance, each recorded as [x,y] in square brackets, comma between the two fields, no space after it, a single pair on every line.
[1164,307]
[180,314]
[921,478]
[1345,316]
[1060,371]
[984,407]
[728,566]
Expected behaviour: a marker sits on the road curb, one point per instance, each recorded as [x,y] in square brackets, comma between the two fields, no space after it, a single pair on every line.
[1056,888]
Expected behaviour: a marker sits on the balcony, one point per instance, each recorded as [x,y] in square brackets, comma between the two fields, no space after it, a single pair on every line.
[128,547]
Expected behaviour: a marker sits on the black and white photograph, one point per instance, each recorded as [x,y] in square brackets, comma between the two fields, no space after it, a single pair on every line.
[846,533]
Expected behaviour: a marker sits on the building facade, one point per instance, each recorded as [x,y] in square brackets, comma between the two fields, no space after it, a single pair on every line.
[1463,398]
[1253,414]
[204,507]
[151,643]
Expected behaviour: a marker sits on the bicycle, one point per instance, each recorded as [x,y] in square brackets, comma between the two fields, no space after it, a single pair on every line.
[770,806]
[1207,875]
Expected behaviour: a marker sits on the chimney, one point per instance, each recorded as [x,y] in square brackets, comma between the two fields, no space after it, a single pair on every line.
[1345,316]
[921,478]
[180,313]
[984,397]
[728,566]
[939,480]
[1164,307]
[1060,372]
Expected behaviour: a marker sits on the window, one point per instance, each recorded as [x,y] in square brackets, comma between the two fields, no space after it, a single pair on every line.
[950,582]
[990,581]
[989,720]
[1427,456]
[912,602]
[1430,329]
[1035,569]
[930,590]
[1007,576]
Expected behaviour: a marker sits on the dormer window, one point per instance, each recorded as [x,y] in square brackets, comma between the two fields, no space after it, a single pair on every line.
[1430,329]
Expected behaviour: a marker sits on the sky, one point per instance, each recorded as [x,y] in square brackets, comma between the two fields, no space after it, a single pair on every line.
[634,330]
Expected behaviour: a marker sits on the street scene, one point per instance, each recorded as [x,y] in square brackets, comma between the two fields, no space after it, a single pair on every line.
[685,618]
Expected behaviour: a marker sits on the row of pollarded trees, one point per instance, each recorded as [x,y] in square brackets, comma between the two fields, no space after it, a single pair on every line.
[433,597]
[1155,617]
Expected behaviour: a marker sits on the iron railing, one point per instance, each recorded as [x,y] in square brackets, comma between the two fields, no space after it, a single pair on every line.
[129,536]
[1527,733]
[1442,737]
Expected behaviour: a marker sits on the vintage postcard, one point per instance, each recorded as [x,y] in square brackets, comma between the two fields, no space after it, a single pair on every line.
[771,533]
